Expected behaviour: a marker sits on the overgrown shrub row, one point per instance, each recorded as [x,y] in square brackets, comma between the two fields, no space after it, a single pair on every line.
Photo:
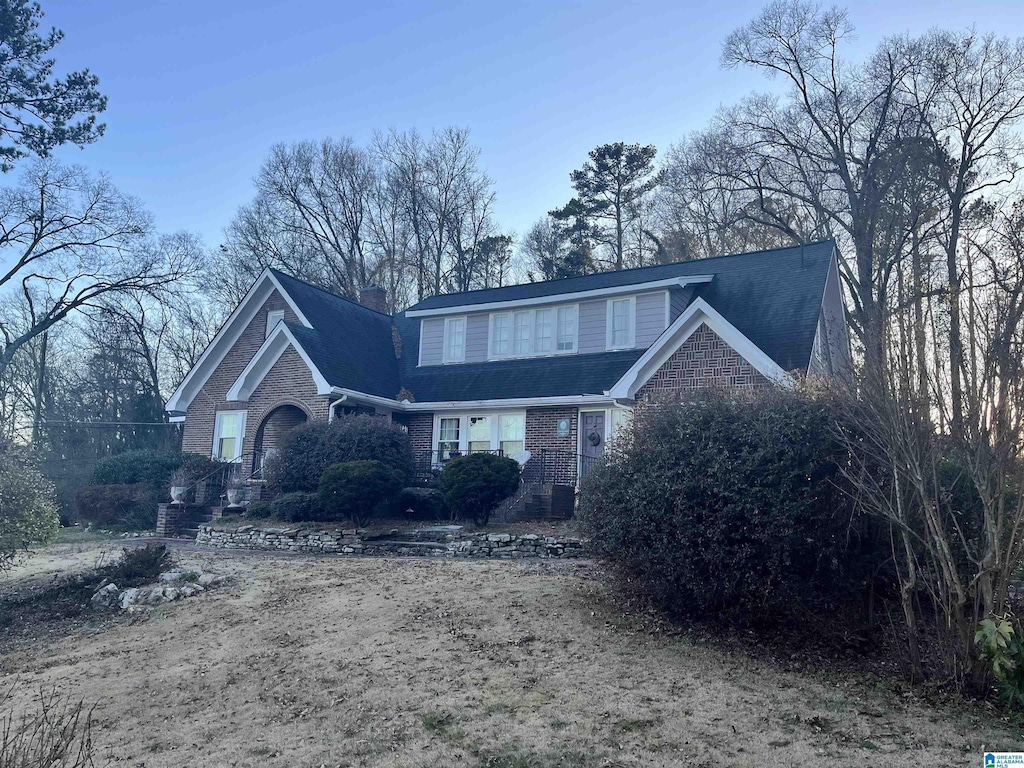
[725,503]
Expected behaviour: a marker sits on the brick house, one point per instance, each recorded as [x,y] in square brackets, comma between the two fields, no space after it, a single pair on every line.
[543,372]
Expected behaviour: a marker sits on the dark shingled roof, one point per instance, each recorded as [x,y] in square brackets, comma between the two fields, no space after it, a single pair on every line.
[772,297]
[351,345]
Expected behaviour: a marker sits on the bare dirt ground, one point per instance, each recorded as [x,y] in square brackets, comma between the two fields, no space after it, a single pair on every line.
[315,661]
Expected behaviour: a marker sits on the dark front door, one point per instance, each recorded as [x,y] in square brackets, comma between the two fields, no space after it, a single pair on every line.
[593,439]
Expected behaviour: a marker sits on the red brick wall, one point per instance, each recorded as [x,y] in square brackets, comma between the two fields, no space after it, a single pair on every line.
[421,431]
[200,416]
[542,433]
[703,360]
[289,382]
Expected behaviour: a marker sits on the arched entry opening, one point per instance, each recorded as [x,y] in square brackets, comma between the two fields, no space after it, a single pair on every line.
[272,429]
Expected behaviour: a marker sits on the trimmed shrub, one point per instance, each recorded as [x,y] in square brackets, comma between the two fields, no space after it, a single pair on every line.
[150,468]
[297,507]
[28,504]
[421,503]
[258,510]
[474,485]
[724,502]
[307,451]
[354,489]
[125,505]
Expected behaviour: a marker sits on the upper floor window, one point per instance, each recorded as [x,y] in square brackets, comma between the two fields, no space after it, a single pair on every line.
[454,339]
[620,323]
[530,332]
[274,317]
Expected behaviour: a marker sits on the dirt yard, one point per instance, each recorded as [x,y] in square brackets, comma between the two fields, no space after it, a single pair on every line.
[303,661]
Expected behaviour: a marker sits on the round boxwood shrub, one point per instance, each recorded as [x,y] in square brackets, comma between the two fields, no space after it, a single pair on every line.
[473,485]
[354,489]
[28,504]
[726,502]
[306,452]
[297,507]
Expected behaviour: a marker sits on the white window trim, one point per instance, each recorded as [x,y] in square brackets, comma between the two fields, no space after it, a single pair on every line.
[465,339]
[274,317]
[493,355]
[217,432]
[464,417]
[608,323]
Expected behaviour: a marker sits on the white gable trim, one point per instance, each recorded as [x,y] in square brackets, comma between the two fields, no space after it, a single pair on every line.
[228,335]
[277,343]
[562,298]
[697,314]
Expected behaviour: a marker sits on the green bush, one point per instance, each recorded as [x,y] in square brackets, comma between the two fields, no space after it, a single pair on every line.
[128,506]
[307,451]
[354,489]
[725,502]
[150,468]
[28,504]
[258,510]
[297,507]
[473,485]
[421,503]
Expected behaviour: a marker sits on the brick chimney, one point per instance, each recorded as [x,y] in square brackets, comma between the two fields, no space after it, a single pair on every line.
[374,297]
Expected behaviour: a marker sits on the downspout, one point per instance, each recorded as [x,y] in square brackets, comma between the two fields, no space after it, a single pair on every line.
[330,408]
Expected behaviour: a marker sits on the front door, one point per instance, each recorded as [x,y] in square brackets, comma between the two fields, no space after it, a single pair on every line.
[592,437]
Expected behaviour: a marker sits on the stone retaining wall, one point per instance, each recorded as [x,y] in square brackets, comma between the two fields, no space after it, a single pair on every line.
[354,542]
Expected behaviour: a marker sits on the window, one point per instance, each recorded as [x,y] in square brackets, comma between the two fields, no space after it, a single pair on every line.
[521,322]
[454,339]
[274,317]
[510,437]
[542,336]
[479,433]
[567,329]
[533,332]
[228,431]
[620,323]
[619,418]
[501,335]
[448,438]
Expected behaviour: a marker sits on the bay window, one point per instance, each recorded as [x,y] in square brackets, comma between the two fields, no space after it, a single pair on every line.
[228,432]
[620,323]
[454,339]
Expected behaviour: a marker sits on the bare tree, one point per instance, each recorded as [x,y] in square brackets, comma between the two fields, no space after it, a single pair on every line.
[71,241]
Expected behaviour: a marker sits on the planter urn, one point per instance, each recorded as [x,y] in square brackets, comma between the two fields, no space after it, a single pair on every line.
[178,493]
[234,497]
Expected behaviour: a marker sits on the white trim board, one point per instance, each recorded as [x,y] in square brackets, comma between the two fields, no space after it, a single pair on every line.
[228,335]
[697,314]
[276,344]
[562,298]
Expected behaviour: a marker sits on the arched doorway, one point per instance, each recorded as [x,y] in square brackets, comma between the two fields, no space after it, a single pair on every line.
[273,427]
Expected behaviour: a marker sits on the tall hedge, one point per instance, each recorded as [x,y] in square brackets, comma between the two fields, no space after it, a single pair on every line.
[307,451]
[150,468]
[724,502]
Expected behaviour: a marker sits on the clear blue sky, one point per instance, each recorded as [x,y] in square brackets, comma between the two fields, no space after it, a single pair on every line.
[200,90]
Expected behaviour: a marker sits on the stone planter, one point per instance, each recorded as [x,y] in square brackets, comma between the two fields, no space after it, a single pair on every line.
[234,497]
[178,493]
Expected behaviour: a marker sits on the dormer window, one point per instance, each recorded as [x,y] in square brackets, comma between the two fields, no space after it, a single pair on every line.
[533,332]
[620,323]
[454,339]
[274,317]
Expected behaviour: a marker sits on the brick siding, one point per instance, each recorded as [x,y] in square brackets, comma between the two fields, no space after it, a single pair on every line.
[289,382]
[201,413]
[542,433]
[421,430]
[703,360]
